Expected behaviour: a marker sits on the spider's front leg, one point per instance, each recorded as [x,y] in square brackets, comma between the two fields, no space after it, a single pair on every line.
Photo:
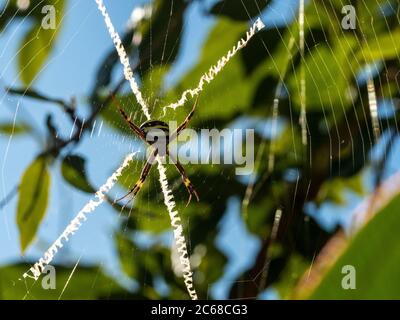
[133,126]
[143,175]
[185,123]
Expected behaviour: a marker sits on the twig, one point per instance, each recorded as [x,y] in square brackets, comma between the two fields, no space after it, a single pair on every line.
[9,197]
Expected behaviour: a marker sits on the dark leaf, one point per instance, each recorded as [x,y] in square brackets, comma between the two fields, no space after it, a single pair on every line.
[239,9]
[162,35]
[73,171]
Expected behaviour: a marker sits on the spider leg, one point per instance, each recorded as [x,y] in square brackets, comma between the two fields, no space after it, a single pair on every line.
[188,184]
[134,127]
[184,124]
[143,175]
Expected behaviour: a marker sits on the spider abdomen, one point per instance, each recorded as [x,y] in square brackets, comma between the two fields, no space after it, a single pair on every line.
[156,131]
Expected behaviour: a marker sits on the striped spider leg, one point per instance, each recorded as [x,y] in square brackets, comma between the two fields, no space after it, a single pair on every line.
[133,126]
[186,181]
[143,175]
[185,122]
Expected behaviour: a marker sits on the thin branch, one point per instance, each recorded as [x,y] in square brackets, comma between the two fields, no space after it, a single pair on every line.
[83,127]
[9,196]
[67,107]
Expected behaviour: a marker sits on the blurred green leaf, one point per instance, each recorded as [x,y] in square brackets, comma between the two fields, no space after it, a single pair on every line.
[87,282]
[334,190]
[384,47]
[32,200]
[374,252]
[263,46]
[73,171]
[37,45]
[257,213]
[161,34]
[221,98]
[126,250]
[106,67]
[295,268]
[371,18]
[327,77]
[135,261]
[212,263]
[153,88]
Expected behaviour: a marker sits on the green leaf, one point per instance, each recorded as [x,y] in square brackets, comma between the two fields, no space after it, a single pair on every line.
[371,19]
[15,129]
[37,45]
[86,282]
[384,47]
[136,263]
[289,277]
[73,171]
[32,201]
[328,76]
[230,92]
[162,34]
[153,88]
[374,252]
[335,189]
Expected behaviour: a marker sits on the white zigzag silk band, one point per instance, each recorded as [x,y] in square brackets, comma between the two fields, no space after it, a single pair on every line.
[178,231]
[128,73]
[76,223]
[217,68]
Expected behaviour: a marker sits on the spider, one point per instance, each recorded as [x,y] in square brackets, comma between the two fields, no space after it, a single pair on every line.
[149,132]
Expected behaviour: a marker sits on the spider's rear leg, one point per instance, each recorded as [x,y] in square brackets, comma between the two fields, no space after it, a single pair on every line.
[134,191]
[191,190]
[143,175]
[188,184]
